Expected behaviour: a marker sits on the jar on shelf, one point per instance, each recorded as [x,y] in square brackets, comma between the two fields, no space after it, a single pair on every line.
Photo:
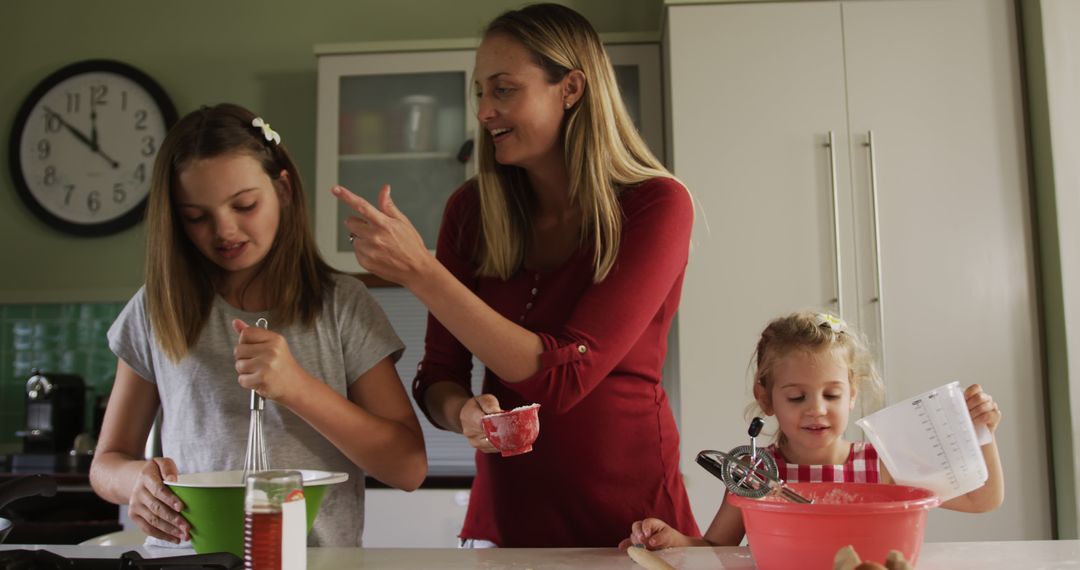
[419,116]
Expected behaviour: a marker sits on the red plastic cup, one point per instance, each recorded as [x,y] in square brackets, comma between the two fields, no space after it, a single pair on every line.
[872,518]
[513,432]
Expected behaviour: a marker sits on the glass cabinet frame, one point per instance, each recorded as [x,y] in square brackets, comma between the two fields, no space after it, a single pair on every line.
[399,139]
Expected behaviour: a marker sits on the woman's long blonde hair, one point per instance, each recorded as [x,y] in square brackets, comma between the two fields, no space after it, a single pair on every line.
[604,152]
[180,281]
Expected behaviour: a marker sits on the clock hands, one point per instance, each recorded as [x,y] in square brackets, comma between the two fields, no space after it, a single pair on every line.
[78,134]
[91,143]
[93,122]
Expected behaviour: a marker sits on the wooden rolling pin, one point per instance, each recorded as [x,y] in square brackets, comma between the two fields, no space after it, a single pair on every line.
[647,559]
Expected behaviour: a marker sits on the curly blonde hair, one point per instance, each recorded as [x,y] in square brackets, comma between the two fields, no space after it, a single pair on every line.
[815,333]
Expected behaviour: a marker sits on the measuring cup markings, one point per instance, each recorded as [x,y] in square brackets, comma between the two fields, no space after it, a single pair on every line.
[935,437]
[952,457]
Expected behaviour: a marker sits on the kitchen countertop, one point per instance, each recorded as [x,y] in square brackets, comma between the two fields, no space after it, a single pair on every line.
[1047,554]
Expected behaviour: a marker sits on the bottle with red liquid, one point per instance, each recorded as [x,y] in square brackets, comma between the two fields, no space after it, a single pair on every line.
[275,536]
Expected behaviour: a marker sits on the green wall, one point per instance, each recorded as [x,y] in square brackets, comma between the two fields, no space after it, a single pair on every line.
[255,53]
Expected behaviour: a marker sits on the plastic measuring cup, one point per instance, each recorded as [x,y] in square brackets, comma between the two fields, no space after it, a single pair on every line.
[929,441]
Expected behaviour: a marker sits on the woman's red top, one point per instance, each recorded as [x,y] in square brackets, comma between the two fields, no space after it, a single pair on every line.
[608,450]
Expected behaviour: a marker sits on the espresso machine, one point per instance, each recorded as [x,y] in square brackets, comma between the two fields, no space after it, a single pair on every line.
[55,410]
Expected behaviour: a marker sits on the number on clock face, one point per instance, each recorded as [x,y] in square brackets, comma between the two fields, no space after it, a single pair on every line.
[88,147]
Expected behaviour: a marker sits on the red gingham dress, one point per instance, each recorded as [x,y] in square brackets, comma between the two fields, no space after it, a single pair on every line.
[861,467]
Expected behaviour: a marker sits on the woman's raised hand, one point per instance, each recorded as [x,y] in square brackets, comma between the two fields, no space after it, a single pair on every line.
[384,240]
[153,507]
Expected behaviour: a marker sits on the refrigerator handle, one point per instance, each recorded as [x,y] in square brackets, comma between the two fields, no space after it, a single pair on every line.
[836,226]
[878,298]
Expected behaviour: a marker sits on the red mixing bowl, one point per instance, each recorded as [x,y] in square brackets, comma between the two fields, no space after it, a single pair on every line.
[872,518]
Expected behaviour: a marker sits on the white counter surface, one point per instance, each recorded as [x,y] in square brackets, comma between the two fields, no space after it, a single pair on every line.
[1027,555]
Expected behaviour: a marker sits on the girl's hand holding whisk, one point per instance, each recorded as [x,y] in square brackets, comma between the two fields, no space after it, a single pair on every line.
[265,364]
[982,407]
[153,506]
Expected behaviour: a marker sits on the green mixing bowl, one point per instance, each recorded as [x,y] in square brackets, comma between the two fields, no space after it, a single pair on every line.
[214,505]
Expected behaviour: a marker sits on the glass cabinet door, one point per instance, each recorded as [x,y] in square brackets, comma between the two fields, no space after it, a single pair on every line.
[637,71]
[401,119]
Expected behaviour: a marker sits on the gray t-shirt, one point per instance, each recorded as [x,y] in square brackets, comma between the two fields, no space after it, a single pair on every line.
[205,412]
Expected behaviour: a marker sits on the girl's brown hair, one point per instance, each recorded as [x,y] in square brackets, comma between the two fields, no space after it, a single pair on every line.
[180,282]
[603,149]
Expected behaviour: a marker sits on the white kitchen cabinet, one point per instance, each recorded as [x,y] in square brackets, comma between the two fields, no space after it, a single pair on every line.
[939,275]
[426,518]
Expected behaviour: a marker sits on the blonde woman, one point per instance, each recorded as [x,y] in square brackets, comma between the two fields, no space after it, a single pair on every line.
[559,267]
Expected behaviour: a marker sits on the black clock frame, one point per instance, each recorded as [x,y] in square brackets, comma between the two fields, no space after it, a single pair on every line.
[115,225]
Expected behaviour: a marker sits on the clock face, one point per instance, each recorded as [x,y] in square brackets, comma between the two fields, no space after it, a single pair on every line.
[84,143]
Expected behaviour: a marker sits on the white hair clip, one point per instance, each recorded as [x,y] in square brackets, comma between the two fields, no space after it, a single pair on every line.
[270,134]
[834,323]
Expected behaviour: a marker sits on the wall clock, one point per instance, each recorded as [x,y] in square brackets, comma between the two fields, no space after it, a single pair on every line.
[83,146]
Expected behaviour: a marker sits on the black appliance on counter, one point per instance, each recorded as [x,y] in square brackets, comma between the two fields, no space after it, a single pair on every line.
[55,412]
[55,415]
[128,560]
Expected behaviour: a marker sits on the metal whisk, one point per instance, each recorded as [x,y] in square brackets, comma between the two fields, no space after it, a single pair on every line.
[255,459]
[748,471]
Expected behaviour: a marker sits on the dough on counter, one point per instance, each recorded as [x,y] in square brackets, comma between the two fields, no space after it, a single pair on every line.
[895,561]
[647,559]
[847,559]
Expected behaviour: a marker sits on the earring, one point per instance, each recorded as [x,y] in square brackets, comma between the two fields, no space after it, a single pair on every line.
[567,105]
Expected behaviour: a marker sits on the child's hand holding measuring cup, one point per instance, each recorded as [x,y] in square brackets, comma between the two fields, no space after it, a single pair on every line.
[983,409]
[927,441]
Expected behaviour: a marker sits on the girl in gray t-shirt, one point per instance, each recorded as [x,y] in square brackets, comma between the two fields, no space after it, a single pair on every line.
[228,242]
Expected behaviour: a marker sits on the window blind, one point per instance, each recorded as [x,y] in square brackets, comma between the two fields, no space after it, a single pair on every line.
[449,454]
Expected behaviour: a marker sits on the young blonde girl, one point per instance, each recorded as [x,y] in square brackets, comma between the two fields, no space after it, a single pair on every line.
[228,242]
[809,370]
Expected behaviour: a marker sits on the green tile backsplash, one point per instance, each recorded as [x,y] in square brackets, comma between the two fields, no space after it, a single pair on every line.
[53,337]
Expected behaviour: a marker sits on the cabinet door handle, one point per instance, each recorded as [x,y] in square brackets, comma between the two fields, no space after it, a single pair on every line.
[879,298]
[836,226]
[465,152]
